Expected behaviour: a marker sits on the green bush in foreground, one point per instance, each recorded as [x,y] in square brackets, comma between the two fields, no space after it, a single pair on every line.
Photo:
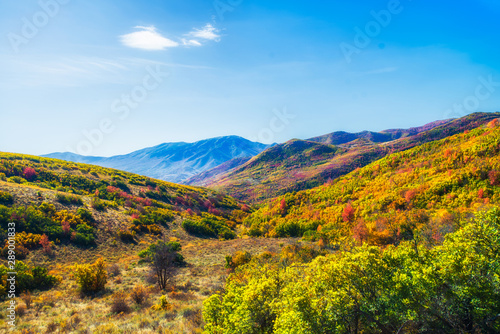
[451,288]
[27,279]
[6,198]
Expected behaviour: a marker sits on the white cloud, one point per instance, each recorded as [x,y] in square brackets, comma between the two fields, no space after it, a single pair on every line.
[190,42]
[207,32]
[147,39]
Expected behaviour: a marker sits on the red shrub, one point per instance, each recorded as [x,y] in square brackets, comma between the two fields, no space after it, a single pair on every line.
[46,244]
[494,176]
[214,211]
[29,173]
[283,206]
[348,214]
[65,227]
[360,232]
[410,195]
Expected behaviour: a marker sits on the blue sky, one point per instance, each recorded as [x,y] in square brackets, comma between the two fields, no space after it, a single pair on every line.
[265,70]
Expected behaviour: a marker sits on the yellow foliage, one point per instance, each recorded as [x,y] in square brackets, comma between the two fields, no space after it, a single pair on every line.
[163,304]
[91,277]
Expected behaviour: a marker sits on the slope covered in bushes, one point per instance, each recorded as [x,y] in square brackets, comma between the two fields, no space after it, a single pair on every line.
[421,190]
[305,164]
[68,204]
[409,288]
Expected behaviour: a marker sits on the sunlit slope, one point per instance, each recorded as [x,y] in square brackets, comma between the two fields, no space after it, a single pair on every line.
[299,165]
[428,186]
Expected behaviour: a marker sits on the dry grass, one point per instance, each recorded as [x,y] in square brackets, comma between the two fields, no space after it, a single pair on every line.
[139,294]
[64,310]
[119,303]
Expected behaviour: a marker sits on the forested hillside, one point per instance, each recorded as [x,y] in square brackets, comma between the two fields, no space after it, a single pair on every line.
[424,190]
[300,165]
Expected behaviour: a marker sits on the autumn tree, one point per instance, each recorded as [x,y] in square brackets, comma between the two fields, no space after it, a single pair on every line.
[164,261]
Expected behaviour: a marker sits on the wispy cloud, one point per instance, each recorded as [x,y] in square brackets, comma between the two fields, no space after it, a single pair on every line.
[190,42]
[208,32]
[147,38]
[77,71]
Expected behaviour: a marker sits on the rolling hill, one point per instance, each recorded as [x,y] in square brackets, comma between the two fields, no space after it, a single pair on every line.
[296,165]
[136,204]
[174,162]
[70,215]
[424,191]
[341,137]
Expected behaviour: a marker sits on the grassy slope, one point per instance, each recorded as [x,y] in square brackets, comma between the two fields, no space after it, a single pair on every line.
[429,185]
[280,169]
[63,307]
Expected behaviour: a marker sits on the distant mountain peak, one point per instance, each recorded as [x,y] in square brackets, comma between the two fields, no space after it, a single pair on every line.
[175,162]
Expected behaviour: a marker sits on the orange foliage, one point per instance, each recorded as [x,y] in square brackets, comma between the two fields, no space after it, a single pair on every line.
[494,123]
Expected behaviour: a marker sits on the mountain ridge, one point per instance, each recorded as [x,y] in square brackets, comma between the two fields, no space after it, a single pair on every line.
[261,178]
[174,162]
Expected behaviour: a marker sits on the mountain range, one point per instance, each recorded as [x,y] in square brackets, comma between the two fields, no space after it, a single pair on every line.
[303,164]
[254,172]
[174,162]
[377,207]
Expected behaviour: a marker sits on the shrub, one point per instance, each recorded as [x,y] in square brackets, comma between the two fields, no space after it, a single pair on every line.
[163,304]
[91,277]
[65,227]
[139,294]
[114,270]
[84,235]
[348,213]
[46,244]
[154,229]
[20,310]
[28,240]
[208,227]
[126,235]
[27,299]
[119,303]
[197,228]
[28,278]
[238,259]
[85,215]
[69,199]
[17,179]
[29,173]
[494,177]
[98,205]
[6,198]
[52,327]
[21,251]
